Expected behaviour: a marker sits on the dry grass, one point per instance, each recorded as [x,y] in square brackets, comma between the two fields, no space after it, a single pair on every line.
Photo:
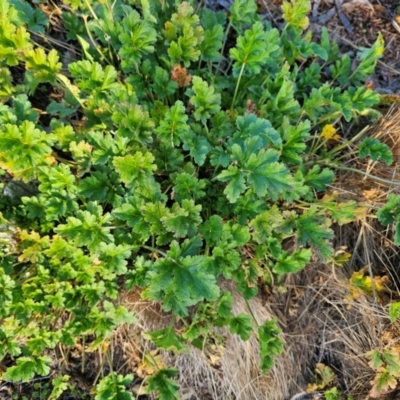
[318,324]
[332,332]
[387,129]
[229,373]
[365,190]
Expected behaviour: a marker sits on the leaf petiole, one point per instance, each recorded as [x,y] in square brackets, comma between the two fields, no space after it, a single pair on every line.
[237,85]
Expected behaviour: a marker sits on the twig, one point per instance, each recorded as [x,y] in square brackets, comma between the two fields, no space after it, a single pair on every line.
[343,19]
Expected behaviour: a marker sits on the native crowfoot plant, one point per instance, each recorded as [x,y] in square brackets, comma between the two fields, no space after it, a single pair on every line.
[177,146]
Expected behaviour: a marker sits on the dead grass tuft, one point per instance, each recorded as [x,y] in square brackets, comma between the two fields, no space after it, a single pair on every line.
[322,327]
[365,190]
[387,130]
[221,372]
[319,326]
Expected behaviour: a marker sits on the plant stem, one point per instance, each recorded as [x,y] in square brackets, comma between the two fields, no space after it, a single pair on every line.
[169,187]
[115,226]
[83,355]
[347,155]
[376,178]
[109,359]
[223,46]
[153,241]
[64,160]
[215,171]
[101,369]
[316,147]
[237,85]
[207,131]
[329,117]
[251,312]
[91,9]
[102,56]
[352,140]
[153,249]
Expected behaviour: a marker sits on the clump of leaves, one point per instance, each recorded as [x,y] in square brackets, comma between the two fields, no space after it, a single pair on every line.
[389,214]
[361,283]
[386,362]
[335,394]
[323,378]
[164,161]
[387,366]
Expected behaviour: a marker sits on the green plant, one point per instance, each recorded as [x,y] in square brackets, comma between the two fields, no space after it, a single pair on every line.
[43,390]
[167,162]
[112,387]
[323,377]
[387,366]
[334,394]
[394,311]
[389,214]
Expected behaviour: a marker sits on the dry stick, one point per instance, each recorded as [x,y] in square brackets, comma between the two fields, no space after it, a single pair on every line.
[101,369]
[83,355]
[397,291]
[55,41]
[373,177]
[247,385]
[251,312]
[317,292]
[343,19]
[371,274]
[223,45]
